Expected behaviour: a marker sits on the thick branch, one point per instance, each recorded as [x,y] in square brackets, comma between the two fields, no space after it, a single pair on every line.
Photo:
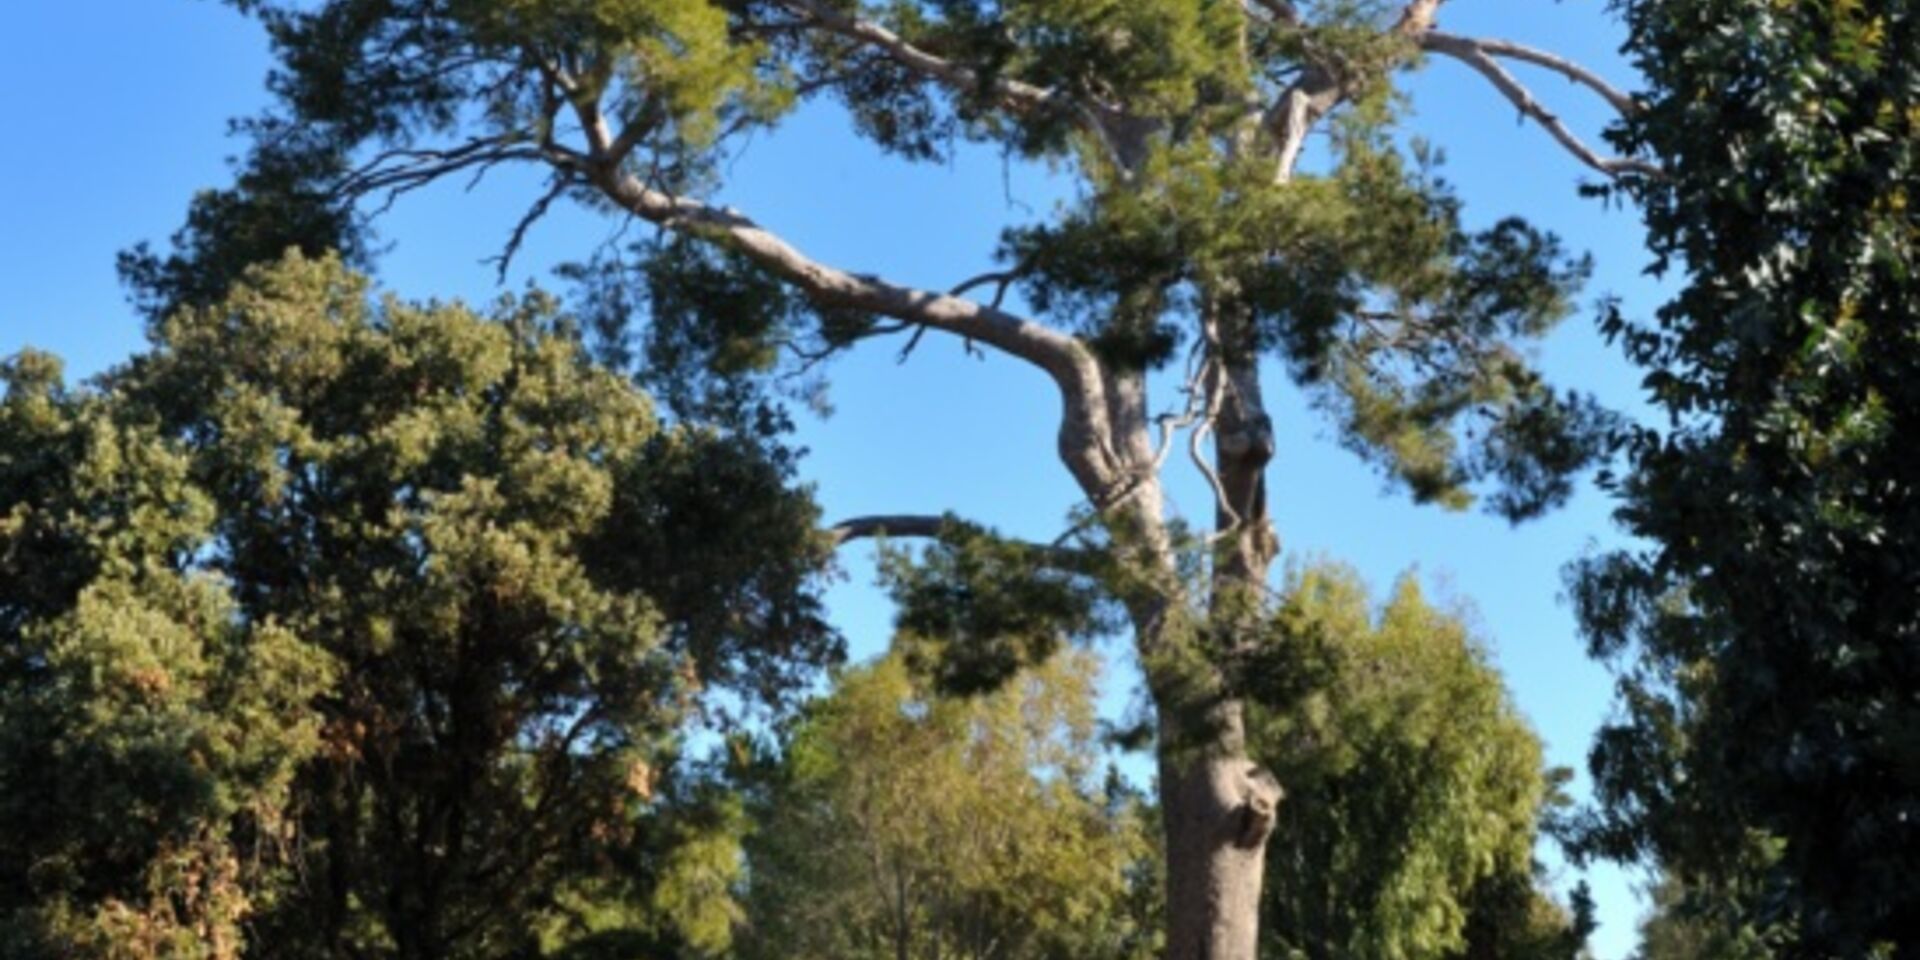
[1310,97]
[1417,17]
[1086,443]
[893,525]
[1057,556]
[1043,346]
[1320,88]
[1476,55]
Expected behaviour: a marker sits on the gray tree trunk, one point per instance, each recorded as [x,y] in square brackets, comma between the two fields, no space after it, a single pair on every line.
[1218,806]
[1218,810]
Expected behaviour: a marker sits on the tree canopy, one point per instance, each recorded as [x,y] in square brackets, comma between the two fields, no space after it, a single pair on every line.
[343,627]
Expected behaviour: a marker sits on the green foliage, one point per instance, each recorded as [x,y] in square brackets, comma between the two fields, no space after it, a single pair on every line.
[1361,278]
[280,198]
[369,627]
[1682,926]
[1414,789]
[902,823]
[148,736]
[1190,229]
[976,609]
[1764,753]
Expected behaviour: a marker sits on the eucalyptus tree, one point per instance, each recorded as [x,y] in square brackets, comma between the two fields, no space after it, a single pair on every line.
[1198,244]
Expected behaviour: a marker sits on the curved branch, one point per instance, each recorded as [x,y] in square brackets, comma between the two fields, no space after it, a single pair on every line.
[888,525]
[1310,97]
[1477,56]
[1056,555]
[1620,100]
[1320,88]
[1086,442]
[1043,346]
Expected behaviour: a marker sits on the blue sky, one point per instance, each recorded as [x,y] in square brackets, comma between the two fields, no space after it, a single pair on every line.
[115,111]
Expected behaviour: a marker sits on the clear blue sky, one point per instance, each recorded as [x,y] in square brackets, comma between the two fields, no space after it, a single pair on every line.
[114,112]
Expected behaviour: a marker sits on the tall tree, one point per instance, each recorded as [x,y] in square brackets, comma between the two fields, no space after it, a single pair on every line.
[1768,637]
[365,629]
[1416,791]
[905,824]
[1197,240]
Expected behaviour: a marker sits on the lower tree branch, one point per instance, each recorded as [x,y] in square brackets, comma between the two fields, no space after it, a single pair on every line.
[887,525]
[928,527]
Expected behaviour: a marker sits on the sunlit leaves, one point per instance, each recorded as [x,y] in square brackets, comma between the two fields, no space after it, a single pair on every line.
[1413,786]
[904,821]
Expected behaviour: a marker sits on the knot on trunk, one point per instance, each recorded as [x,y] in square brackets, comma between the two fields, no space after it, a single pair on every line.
[1250,441]
[1259,805]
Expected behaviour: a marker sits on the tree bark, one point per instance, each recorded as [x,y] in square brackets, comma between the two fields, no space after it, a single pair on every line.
[1219,806]
[1217,809]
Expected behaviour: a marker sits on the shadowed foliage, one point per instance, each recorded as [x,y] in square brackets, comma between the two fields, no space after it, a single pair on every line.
[1767,637]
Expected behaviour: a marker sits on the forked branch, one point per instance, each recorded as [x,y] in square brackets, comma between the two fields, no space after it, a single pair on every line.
[1479,54]
[1619,99]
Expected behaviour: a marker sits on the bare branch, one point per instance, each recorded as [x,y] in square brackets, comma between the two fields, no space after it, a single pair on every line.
[1417,17]
[1086,441]
[1210,417]
[645,120]
[1310,97]
[1474,55]
[1001,280]
[402,170]
[1320,87]
[1043,346]
[912,342]
[561,181]
[1620,99]
[887,525]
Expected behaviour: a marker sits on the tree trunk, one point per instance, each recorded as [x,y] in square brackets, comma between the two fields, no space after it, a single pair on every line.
[1218,805]
[1218,808]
